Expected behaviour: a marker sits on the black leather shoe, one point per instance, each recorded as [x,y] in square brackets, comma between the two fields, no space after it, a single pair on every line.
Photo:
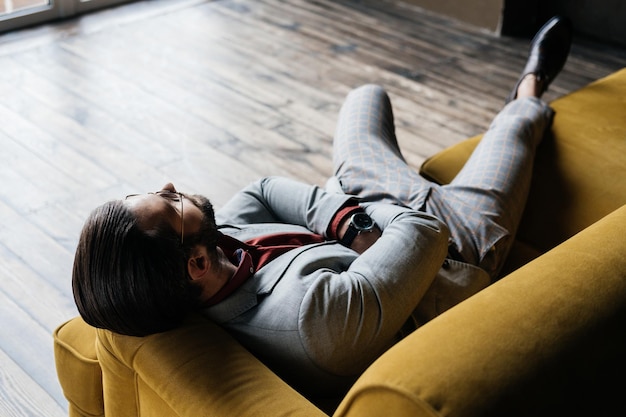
[548,52]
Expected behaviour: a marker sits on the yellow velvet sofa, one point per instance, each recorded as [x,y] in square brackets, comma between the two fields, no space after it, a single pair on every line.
[549,338]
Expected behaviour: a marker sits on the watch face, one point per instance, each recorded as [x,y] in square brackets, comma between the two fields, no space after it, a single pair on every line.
[362,221]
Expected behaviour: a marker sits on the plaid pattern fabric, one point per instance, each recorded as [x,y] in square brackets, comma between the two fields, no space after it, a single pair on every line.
[482,206]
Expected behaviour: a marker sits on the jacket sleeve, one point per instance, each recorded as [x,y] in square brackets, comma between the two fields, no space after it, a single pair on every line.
[349,318]
[282,200]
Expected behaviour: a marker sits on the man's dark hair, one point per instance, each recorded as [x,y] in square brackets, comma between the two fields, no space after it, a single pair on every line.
[128,280]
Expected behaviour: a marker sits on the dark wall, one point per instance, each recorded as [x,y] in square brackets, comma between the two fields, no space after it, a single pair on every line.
[603,20]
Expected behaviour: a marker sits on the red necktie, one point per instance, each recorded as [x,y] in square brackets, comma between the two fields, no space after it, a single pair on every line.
[266,248]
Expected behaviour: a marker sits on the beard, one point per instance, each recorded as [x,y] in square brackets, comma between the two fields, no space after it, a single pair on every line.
[201,202]
[208,234]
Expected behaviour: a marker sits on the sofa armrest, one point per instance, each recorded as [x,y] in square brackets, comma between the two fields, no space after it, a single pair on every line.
[78,369]
[547,339]
[195,370]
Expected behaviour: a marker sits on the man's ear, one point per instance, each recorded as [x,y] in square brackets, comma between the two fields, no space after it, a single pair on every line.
[199,263]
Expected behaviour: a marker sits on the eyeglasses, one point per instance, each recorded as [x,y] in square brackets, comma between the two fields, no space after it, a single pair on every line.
[170,196]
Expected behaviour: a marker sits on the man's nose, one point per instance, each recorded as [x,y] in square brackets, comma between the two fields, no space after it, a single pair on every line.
[169,187]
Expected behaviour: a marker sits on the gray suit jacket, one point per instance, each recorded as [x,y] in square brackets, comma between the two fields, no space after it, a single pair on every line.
[320,314]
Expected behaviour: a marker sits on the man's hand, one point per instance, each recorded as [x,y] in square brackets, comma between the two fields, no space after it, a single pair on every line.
[365,239]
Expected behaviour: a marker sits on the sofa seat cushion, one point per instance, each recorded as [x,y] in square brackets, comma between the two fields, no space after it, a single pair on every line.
[580,168]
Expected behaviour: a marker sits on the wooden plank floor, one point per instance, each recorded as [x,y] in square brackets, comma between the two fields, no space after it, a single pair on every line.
[210,95]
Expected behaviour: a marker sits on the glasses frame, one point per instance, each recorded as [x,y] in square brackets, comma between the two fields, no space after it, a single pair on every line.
[170,196]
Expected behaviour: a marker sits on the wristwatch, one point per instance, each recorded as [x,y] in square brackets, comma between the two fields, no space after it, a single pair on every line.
[359,222]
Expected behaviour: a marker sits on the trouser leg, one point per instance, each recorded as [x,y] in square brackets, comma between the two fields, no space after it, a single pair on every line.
[484,203]
[367,159]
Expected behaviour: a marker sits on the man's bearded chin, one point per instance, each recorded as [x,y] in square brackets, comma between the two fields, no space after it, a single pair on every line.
[202,203]
[207,234]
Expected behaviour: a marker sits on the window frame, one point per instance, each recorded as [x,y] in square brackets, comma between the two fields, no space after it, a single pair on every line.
[56,9]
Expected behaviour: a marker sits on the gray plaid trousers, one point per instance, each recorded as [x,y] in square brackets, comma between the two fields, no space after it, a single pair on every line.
[484,203]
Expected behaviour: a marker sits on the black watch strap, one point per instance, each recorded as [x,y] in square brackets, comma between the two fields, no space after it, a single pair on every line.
[349,236]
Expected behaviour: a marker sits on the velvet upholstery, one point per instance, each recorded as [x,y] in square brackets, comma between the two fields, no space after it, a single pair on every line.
[149,376]
[546,339]
[78,368]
